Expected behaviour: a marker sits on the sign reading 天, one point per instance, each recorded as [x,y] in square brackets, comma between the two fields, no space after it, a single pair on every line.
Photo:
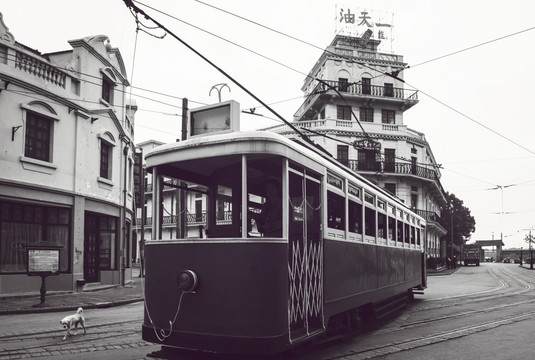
[369,23]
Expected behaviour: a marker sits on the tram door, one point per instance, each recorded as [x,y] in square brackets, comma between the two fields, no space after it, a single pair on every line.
[305,260]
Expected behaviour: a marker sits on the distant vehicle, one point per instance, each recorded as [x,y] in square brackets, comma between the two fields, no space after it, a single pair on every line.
[518,261]
[529,261]
[472,254]
[507,260]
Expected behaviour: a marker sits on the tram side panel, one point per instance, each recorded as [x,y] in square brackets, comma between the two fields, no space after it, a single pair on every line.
[240,305]
[356,274]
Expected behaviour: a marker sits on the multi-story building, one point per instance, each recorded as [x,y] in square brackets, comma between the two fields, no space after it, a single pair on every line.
[354,111]
[354,106]
[66,165]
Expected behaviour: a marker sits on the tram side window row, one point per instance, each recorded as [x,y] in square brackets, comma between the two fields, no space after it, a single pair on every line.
[374,224]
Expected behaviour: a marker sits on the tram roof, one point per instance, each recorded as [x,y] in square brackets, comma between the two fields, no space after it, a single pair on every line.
[256,142]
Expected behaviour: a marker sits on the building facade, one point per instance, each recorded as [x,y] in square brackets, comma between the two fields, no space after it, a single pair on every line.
[66,164]
[354,106]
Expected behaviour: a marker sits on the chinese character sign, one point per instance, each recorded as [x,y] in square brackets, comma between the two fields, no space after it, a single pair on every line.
[358,22]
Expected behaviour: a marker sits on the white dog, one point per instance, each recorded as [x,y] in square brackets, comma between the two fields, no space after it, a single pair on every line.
[72,321]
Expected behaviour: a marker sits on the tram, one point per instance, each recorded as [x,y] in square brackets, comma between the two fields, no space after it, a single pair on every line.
[291,246]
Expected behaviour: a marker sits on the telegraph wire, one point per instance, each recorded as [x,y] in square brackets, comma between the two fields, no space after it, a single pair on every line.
[214,35]
[473,47]
[87,81]
[393,75]
[130,4]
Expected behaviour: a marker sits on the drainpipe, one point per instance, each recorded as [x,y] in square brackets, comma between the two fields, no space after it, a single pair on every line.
[122,241]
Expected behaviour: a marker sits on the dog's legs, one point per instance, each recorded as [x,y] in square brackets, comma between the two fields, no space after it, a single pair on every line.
[67,334]
[82,323]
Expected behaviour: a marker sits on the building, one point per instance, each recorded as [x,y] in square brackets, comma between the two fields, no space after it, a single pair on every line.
[66,165]
[354,106]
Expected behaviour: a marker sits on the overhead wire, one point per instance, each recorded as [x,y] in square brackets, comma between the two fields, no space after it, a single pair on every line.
[392,75]
[130,3]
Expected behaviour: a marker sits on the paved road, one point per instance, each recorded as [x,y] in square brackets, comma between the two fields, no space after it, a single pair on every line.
[467,314]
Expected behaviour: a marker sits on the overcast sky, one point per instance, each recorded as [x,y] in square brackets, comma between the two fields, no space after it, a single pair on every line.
[472,62]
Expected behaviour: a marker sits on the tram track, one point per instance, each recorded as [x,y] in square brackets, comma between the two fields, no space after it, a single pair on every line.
[101,337]
[505,282]
[378,351]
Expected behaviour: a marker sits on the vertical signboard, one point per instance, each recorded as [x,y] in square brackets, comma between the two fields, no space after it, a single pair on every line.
[138,179]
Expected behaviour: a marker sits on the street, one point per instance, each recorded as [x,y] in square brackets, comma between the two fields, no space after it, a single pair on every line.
[476,312]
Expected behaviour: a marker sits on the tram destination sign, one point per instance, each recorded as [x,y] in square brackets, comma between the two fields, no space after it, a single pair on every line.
[43,261]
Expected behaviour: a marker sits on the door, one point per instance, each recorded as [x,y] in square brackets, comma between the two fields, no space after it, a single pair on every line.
[91,248]
[390,160]
[305,258]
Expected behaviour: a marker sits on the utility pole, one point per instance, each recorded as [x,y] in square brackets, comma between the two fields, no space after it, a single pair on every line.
[181,194]
[530,252]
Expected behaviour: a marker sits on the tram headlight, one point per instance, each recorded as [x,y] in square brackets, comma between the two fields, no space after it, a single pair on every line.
[187,281]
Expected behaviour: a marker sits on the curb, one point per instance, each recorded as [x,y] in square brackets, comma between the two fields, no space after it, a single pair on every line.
[44,309]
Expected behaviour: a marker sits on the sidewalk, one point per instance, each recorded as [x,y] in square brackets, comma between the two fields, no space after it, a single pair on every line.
[442,270]
[93,296]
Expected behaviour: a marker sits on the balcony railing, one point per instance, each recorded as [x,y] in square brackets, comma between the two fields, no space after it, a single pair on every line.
[363,89]
[428,215]
[40,69]
[191,219]
[392,167]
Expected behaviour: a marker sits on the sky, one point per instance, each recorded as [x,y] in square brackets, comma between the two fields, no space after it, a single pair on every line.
[471,62]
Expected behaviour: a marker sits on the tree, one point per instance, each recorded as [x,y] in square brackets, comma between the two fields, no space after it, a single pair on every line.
[464,224]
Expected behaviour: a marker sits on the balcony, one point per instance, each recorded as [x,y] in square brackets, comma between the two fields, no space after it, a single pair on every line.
[346,125]
[324,91]
[431,219]
[191,219]
[401,168]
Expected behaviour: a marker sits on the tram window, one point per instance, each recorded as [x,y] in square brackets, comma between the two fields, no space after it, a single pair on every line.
[335,211]
[381,225]
[224,217]
[413,235]
[355,217]
[407,233]
[369,222]
[264,197]
[391,228]
[400,230]
[223,205]
[418,241]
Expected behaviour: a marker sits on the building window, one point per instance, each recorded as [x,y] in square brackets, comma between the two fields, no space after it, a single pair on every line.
[343,112]
[26,225]
[366,114]
[106,152]
[388,116]
[343,84]
[342,154]
[366,86]
[389,89]
[75,86]
[391,187]
[38,137]
[107,90]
